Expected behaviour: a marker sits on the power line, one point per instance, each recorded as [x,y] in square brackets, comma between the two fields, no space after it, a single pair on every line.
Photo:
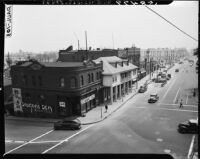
[171,23]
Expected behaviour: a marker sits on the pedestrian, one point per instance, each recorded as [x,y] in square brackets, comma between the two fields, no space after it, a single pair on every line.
[181,104]
[106,107]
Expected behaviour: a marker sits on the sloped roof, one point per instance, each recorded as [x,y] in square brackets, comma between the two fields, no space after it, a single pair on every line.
[110,69]
[55,64]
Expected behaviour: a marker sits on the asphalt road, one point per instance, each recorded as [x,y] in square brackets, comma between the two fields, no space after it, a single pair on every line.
[137,127]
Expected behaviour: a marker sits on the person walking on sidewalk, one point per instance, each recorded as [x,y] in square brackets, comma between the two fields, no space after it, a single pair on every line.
[181,104]
[106,107]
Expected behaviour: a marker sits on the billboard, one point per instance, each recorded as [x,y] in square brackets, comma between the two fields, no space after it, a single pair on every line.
[17,99]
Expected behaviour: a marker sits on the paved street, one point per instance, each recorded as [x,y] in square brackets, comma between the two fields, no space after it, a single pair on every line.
[137,127]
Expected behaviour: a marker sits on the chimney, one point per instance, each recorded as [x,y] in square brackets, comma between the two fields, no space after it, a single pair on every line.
[116,64]
[122,64]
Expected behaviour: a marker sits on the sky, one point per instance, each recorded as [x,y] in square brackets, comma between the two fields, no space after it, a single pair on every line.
[39,28]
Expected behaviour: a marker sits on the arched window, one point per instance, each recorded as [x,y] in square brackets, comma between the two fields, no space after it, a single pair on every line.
[73,82]
[88,78]
[97,75]
[82,81]
[92,77]
[62,82]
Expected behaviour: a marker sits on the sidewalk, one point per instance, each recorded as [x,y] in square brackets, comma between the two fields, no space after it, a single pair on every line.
[96,114]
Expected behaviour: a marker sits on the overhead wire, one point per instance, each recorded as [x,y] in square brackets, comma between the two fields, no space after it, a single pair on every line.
[171,23]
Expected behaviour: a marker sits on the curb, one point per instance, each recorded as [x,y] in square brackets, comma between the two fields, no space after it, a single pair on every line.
[31,120]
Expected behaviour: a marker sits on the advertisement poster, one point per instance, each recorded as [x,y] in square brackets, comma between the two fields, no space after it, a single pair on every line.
[17,99]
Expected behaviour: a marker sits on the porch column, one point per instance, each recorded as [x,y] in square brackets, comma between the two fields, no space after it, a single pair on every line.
[111,95]
[131,85]
[120,91]
[116,92]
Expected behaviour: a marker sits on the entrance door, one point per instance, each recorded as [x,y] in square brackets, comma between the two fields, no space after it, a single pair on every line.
[63,108]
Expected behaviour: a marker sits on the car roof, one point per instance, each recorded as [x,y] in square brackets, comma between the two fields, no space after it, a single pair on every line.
[153,94]
[72,119]
[193,121]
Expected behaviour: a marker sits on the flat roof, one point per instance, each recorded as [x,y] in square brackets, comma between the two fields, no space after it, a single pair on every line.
[62,64]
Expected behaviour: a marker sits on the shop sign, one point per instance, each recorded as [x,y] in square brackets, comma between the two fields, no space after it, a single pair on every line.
[85,100]
[62,104]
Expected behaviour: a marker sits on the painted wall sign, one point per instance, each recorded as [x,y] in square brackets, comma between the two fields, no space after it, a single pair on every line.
[37,107]
[85,100]
[17,99]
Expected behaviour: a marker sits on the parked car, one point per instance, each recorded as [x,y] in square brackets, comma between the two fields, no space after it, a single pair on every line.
[163,84]
[165,71]
[142,89]
[190,126]
[169,76]
[67,124]
[176,70]
[153,98]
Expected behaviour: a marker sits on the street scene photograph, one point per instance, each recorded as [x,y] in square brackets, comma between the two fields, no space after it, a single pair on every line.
[101,79]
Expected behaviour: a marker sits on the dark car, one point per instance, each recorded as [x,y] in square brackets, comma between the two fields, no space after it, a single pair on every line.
[190,126]
[169,76]
[163,84]
[176,70]
[153,98]
[67,124]
[142,89]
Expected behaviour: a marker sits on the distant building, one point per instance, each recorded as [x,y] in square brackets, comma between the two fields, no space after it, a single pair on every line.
[81,55]
[55,89]
[119,78]
[133,55]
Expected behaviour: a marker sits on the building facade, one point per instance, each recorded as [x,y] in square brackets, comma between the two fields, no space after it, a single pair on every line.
[119,78]
[57,89]
[81,55]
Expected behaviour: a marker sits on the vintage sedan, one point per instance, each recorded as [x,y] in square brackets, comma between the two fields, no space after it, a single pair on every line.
[176,70]
[142,89]
[153,98]
[190,126]
[67,124]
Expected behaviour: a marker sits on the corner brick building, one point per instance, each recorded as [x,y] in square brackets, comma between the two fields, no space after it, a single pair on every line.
[56,89]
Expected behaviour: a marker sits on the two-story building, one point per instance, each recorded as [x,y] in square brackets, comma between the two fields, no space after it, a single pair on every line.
[55,89]
[119,78]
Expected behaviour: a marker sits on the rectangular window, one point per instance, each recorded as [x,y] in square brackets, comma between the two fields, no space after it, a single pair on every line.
[33,81]
[40,80]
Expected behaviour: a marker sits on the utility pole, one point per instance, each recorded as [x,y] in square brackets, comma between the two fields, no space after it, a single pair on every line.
[86,45]
[112,41]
